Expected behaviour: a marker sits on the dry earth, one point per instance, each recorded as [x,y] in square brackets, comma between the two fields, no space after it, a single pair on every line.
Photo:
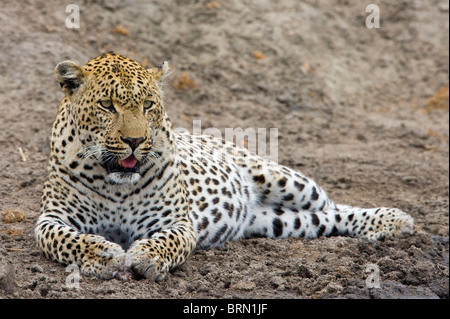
[363,111]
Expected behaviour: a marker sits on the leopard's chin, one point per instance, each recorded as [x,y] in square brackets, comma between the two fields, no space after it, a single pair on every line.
[126,171]
[124,177]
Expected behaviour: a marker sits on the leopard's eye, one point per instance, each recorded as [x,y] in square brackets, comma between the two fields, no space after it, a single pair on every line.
[148,104]
[107,104]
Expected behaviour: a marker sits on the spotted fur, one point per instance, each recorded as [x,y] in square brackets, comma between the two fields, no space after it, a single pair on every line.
[126,194]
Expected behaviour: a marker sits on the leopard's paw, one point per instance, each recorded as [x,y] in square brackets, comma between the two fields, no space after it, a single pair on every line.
[143,259]
[389,222]
[102,259]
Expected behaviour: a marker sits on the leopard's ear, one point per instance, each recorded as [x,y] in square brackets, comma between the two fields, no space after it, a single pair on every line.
[70,76]
[160,72]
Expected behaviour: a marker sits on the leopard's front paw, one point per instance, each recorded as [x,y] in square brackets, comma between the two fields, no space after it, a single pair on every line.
[102,258]
[145,259]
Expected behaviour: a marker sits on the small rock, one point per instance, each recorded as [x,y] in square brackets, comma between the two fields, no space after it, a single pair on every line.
[37,268]
[334,288]
[410,180]
[244,285]
[443,6]
[304,272]
[343,186]
[277,282]
[7,280]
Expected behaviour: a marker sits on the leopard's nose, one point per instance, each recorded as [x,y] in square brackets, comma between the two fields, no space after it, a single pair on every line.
[134,142]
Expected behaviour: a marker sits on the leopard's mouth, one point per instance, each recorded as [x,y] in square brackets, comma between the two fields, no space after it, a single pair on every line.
[128,165]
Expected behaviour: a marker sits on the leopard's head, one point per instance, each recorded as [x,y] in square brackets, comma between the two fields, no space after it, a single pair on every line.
[116,108]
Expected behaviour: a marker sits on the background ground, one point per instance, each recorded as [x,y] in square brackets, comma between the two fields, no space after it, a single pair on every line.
[363,111]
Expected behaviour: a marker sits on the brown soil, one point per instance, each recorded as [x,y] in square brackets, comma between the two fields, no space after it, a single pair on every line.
[363,111]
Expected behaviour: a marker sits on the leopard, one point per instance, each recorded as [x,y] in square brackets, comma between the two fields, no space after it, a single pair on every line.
[129,196]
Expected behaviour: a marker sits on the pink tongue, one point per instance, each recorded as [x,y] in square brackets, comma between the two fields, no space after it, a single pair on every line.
[129,162]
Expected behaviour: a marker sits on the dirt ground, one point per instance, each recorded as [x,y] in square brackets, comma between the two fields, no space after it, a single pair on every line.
[362,110]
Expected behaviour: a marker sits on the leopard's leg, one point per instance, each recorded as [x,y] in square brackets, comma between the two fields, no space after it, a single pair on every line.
[154,257]
[291,204]
[172,238]
[371,223]
[374,223]
[92,253]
